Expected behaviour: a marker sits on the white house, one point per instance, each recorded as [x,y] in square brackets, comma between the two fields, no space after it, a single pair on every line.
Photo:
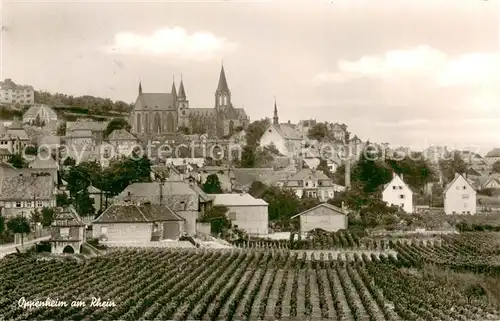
[398,193]
[245,212]
[459,197]
[311,183]
[286,139]
[40,112]
[324,216]
[123,142]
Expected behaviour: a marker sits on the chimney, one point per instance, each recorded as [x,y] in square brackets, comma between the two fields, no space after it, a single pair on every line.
[347,182]
[289,122]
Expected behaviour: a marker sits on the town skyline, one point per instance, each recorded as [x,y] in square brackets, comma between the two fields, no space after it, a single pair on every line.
[405,84]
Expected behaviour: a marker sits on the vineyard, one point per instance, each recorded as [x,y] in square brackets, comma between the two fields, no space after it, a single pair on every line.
[241,284]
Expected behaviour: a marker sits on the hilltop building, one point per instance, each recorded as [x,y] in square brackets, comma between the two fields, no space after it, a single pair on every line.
[157,114]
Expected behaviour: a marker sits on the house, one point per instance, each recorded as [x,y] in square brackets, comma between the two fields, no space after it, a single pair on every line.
[284,137]
[187,200]
[244,177]
[41,165]
[14,138]
[123,142]
[49,142]
[492,156]
[96,128]
[245,212]
[68,231]
[39,115]
[487,182]
[459,196]
[12,93]
[323,216]
[338,130]
[96,196]
[130,221]
[310,183]
[4,155]
[398,193]
[21,195]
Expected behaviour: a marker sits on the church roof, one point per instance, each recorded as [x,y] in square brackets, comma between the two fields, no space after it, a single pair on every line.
[222,81]
[182,92]
[152,101]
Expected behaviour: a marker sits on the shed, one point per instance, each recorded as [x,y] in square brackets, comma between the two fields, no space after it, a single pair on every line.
[324,216]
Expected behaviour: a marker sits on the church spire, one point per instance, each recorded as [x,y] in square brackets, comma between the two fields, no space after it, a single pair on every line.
[275,117]
[222,87]
[174,90]
[182,92]
[140,87]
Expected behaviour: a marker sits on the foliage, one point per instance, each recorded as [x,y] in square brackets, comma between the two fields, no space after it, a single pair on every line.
[62,199]
[61,129]
[212,185]
[255,130]
[2,224]
[452,164]
[496,167]
[416,173]
[68,161]
[18,224]
[215,212]
[31,150]
[319,132]
[10,113]
[84,204]
[45,216]
[115,124]
[371,173]
[88,103]
[18,161]
[248,158]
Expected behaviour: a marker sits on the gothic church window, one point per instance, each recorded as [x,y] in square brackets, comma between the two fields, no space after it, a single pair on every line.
[139,127]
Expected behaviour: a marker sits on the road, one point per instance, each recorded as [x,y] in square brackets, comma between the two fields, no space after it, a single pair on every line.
[11,248]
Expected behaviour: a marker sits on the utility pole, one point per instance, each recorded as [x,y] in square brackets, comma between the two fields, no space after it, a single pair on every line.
[22,232]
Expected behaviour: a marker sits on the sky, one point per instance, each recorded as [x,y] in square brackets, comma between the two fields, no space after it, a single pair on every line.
[411,73]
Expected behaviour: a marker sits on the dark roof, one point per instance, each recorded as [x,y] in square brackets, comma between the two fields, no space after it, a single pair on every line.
[67,216]
[144,213]
[327,205]
[121,134]
[155,101]
[222,81]
[26,188]
[495,152]
[182,92]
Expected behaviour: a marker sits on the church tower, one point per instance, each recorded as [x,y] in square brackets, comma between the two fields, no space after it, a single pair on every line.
[140,88]
[222,94]
[183,105]
[275,116]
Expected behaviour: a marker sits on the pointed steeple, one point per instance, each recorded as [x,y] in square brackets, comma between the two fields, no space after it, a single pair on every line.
[140,87]
[275,116]
[182,93]
[222,87]
[174,90]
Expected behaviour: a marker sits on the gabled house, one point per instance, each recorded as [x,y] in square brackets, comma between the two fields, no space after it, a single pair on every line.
[68,231]
[41,114]
[492,156]
[14,138]
[245,212]
[459,196]
[323,216]
[187,200]
[398,193]
[123,142]
[310,183]
[21,195]
[132,221]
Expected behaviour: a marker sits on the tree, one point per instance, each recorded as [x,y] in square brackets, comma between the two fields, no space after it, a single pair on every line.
[18,161]
[115,124]
[248,157]
[45,216]
[19,224]
[212,185]
[452,165]
[257,189]
[416,172]
[84,204]
[255,130]
[319,132]
[69,162]
[38,122]
[496,167]
[62,200]
[31,150]
[61,130]
[217,218]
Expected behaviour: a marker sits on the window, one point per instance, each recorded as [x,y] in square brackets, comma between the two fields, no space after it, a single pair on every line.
[400,187]
[401,196]
[18,204]
[394,187]
[468,212]
[64,231]
[465,196]
[465,187]
[402,205]
[104,230]
[39,204]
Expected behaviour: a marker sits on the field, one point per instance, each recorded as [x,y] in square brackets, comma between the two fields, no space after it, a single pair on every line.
[253,284]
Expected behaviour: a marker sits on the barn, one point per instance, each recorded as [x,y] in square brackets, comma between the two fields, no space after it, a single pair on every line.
[137,222]
[324,216]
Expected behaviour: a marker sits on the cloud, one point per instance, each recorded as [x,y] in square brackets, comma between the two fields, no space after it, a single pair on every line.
[175,42]
[404,123]
[422,62]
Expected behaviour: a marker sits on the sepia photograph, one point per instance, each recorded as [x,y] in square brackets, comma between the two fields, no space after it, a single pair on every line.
[257,160]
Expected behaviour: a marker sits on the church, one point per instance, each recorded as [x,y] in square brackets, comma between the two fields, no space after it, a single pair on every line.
[158,114]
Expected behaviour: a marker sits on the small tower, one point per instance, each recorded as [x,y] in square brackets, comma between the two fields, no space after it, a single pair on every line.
[68,232]
[182,92]
[140,88]
[275,117]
